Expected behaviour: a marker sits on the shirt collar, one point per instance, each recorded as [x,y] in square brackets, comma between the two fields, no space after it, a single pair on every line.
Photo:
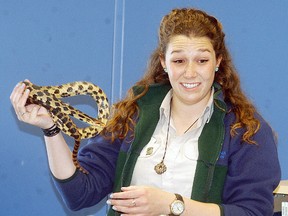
[165,105]
[208,111]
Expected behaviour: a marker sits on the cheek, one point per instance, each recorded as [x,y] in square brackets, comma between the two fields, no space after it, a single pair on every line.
[174,72]
[209,73]
[170,70]
[173,75]
[209,78]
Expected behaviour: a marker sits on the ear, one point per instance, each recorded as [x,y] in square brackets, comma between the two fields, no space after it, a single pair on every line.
[162,60]
[218,62]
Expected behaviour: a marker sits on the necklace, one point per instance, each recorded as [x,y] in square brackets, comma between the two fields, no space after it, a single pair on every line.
[160,168]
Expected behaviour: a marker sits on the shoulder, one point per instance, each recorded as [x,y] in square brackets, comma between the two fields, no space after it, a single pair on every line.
[154,95]
[265,131]
[98,144]
[235,148]
[257,164]
[155,87]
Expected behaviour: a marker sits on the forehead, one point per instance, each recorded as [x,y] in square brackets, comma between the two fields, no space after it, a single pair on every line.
[180,43]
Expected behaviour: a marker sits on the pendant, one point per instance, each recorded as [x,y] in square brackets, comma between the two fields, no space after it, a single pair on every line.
[160,168]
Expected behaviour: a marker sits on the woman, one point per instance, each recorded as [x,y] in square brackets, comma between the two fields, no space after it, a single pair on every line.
[185,140]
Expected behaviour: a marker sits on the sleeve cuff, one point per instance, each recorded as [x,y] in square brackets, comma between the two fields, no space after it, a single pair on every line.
[65,180]
[221,210]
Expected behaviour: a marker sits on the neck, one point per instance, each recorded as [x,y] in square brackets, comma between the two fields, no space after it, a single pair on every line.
[184,115]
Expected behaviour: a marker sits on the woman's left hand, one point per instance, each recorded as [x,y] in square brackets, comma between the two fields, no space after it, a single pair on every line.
[141,200]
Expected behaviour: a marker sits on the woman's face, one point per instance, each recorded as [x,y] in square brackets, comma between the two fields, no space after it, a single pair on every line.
[191,64]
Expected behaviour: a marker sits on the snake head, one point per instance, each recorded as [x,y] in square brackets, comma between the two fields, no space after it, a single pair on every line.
[32,99]
[30,85]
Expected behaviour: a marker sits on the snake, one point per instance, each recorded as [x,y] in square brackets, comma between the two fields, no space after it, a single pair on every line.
[63,114]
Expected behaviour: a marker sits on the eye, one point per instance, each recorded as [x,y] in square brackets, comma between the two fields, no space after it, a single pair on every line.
[178,61]
[203,61]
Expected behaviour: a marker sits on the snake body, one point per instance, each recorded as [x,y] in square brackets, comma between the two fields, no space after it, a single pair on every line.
[61,112]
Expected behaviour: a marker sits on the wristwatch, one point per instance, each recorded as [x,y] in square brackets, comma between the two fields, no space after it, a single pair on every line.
[177,207]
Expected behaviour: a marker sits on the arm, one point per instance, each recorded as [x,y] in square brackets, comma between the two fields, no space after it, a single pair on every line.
[153,201]
[59,157]
[59,154]
[99,157]
[253,174]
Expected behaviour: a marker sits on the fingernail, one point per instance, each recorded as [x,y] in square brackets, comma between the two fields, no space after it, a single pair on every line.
[111,196]
[108,202]
[114,208]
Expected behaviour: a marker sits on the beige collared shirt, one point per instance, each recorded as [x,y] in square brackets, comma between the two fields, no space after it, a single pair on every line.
[181,155]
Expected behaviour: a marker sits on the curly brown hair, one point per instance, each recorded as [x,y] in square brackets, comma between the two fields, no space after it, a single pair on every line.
[195,23]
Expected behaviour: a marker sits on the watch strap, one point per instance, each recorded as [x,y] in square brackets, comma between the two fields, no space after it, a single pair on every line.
[179,197]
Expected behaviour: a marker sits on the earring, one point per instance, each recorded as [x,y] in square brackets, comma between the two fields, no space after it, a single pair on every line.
[165,69]
[216,69]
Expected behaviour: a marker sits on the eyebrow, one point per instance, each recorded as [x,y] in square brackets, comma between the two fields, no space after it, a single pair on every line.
[204,50]
[198,50]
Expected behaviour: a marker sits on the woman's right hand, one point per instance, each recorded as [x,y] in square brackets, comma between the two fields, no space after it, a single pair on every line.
[32,114]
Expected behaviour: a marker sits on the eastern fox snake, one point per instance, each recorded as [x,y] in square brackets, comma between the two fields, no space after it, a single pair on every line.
[61,112]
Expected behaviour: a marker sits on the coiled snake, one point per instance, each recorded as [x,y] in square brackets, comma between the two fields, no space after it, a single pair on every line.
[49,97]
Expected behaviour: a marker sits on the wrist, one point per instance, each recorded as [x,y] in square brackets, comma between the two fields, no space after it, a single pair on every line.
[51,131]
[166,203]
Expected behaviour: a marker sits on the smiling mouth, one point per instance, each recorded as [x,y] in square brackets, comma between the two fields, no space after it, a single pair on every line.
[190,85]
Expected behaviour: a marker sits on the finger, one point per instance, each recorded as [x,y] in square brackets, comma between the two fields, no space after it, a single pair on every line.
[133,202]
[22,102]
[15,97]
[121,202]
[34,112]
[16,93]
[126,192]
[129,188]
[123,195]
[24,97]
[128,210]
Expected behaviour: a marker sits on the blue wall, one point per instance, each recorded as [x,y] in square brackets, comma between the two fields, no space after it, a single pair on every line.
[108,42]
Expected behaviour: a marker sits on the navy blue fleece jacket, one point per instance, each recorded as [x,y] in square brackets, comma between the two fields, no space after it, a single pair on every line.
[240,179]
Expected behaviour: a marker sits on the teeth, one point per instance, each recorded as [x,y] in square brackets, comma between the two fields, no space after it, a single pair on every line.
[190,85]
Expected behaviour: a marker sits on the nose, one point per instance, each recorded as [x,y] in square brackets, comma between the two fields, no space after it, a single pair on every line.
[190,70]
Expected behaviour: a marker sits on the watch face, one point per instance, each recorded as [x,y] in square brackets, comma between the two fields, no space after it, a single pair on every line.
[177,207]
